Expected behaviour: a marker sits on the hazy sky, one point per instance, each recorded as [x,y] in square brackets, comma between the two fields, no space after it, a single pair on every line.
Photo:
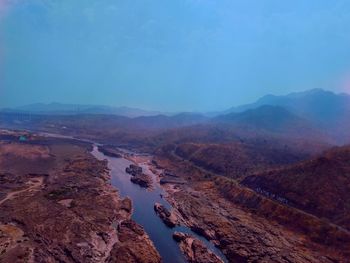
[170,54]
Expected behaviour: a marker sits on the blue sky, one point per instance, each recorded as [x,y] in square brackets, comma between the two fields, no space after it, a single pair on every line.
[170,55]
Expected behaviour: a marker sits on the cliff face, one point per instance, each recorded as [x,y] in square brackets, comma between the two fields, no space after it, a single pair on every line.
[320,186]
[57,206]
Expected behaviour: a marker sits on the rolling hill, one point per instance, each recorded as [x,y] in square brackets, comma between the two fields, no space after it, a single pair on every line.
[320,186]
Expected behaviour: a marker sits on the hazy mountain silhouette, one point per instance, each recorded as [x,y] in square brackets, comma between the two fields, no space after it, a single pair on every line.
[324,109]
[272,118]
[317,105]
[69,109]
[314,114]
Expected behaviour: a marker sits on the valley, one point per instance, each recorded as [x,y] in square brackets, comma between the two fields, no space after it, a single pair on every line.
[264,185]
[180,131]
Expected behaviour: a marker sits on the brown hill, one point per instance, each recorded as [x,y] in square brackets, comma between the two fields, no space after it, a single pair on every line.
[238,159]
[320,186]
[245,239]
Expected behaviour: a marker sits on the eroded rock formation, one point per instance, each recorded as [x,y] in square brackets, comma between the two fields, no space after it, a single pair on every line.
[194,250]
[168,217]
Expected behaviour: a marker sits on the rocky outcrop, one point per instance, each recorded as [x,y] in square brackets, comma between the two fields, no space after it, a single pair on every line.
[134,245]
[168,217]
[126,204]
[138,177]
[110,151]
[194,250]
[142,180]
[170,177]
[133,170]
[168,173]
[171,181]
[244,237]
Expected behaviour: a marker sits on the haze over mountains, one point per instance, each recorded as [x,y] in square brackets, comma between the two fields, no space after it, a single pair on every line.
[70,109]
[319,105]
[317,115]
[316,104]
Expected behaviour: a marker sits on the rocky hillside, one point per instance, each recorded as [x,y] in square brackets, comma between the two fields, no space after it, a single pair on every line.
[320,186]
[248,226]
[238,159]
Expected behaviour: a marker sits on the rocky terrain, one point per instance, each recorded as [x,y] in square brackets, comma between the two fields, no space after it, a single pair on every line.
[194,250]
[133,170]
[168,217]
[246,225]
[168,177]
[237,159]
[138,177]
[57,206]
[320,186]
[142,180]
[110,151]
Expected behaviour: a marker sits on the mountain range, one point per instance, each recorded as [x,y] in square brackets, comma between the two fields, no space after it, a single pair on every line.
[326,110]
[318,105]
[315,115]
[73,109]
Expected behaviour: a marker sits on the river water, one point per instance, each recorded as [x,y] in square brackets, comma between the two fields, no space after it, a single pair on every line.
[143,202]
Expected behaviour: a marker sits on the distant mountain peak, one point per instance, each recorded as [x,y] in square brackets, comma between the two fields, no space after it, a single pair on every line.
[324,109]
[311,92]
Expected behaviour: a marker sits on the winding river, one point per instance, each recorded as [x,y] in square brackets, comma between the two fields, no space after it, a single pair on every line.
[143,201]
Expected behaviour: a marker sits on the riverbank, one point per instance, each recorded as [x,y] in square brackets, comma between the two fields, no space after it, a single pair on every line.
[180,223]
[144,202]
[242,223]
